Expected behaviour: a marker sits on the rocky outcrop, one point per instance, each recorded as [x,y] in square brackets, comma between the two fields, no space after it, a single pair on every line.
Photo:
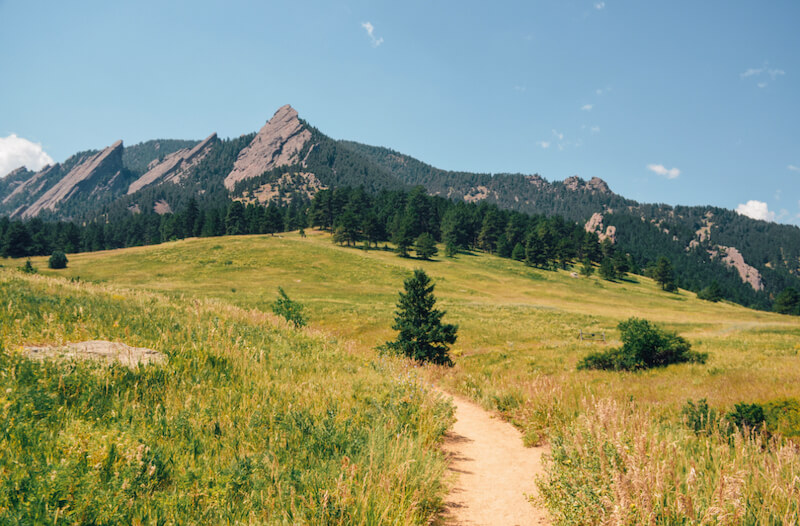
[733,258]
[594,185]
[33,185]
[595,224]
[477,193]
[161,207]
[278,143]
[93,174]
[99,351]
[175,166]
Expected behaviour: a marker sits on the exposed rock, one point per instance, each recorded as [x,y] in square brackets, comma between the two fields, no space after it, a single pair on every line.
[733,258]
[536,180]
[574,183]
[278,143]
[477,193]
[595,224]
[134,209]
[304,183]
[93,173]
[161,207]
[175,166]
[594,185]
[98,350]
[33,185]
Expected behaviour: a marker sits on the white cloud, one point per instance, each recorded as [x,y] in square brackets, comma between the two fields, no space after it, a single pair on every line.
[587,107]
[371,33]
[16,151]
[660,169]
[595,129]
[557,135]
[760,74]
[756,210]
[793,168]
[599,5]
[544,144]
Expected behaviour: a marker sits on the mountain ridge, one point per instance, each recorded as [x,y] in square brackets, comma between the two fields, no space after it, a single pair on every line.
[289,160]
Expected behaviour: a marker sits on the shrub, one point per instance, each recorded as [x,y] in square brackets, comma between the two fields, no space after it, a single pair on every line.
[28,268]
[701,418]
[58,260]
[644,346]
[292,311]
[783,416]
[747,415]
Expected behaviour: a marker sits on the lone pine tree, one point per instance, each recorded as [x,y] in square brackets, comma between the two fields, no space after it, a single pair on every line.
[422,335]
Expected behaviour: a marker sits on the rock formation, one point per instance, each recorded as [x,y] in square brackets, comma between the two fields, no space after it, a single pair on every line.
[175,166]
[94,173]
[278,143]
[594,185]
[595,224]
[733,258]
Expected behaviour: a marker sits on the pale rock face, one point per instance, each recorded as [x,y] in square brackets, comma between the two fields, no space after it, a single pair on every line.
[278,143]
[106,161]
[594,185]
[175,166]
[32,185]
[595,224]
[304,182]
[733,258]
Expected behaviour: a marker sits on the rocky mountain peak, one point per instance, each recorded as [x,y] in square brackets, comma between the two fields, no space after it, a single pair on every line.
[175,166]
[595,184]
[92,172]
[278,143]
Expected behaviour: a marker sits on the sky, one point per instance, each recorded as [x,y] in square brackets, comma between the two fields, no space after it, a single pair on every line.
[677,102]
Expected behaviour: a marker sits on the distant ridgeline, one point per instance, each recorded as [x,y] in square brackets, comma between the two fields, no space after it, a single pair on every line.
[283,175]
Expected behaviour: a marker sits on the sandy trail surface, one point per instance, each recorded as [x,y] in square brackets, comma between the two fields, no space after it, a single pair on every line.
[493,472]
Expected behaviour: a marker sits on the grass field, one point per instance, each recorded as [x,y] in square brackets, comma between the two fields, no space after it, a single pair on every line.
[517,352]
[249,421]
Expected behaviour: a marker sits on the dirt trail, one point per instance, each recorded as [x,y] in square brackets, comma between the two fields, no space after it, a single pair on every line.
[493,471]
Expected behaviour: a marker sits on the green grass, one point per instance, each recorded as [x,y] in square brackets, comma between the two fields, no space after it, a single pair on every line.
[518,348]
[248,422]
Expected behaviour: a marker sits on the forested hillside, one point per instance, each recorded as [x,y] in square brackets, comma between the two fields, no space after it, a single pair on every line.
[124,196]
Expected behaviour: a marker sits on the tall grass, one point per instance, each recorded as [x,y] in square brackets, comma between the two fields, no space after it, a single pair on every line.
[248,421]
[517,348]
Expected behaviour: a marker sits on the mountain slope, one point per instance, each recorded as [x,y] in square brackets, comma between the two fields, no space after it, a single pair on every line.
[288,161]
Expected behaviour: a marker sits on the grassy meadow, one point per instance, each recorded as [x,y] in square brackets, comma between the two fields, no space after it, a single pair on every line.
[249,421]
[620,450]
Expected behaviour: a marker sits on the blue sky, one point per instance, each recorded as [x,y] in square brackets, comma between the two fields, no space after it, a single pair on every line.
[675,102]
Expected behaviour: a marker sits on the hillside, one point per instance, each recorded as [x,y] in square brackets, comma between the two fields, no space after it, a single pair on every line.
[517,353]
[288,161]
[247,421]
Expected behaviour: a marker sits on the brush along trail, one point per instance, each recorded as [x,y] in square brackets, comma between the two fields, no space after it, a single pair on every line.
[494,474]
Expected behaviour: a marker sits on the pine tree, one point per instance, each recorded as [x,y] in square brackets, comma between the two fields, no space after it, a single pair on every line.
[607,269]
[665,275]
[788,302]
[425,247]
[518,253]
[422,335]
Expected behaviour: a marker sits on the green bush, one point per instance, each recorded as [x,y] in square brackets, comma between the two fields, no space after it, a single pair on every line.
[28,268]
[58,260]
[747,415]
[644,346]
[292,311]
[783,416]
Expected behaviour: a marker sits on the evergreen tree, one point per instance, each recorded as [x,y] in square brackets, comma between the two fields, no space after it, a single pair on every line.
[491,230]
[425,246]
[586,268]
[788,302]
[402,237]
[534,251]
[607,269]
[621,266]
[450,249]
[518,253]
[711,293]
[234,220]
[665,275]
[422,335]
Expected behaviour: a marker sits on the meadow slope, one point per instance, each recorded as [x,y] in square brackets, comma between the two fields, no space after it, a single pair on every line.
[517,353]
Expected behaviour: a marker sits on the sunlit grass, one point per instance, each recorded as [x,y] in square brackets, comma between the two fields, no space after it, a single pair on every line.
[248,422]
[518,345]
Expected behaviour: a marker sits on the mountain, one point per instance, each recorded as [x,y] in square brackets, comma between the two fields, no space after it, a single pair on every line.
[289,161]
